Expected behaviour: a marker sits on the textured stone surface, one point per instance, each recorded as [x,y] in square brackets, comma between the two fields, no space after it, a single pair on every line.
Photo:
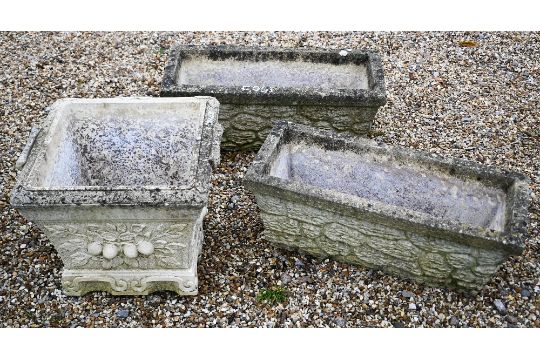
[120,186]
[305,205]
[332,90]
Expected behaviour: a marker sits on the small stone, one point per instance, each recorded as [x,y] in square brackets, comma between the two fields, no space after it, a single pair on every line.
[525,293]
[407,294]
[454,321]
[122,313]
[340,322]
[499,305]
[303,280]
[412,307]
[299,264]
[511,319]
[285,278]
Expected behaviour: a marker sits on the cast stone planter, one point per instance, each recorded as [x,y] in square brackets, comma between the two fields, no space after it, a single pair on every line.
[440,221]
[339,90]
[120,186]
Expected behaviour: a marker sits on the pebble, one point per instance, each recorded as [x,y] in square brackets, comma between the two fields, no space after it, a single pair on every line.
[122,314]
[525,293]
[340,322]
[499,305]
[407,294]
[303,280]
[285,279]
[412,307]
[511,319]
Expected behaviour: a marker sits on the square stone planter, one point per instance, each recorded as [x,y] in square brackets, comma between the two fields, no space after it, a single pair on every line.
[440,221]
[335,90]
[120,186]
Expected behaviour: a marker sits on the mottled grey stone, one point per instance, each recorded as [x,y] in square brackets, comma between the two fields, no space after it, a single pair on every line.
[333,248]
[465,275]
[335,195]
[334,90]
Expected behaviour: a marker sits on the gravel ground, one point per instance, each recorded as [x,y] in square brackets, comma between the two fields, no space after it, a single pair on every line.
[480,102]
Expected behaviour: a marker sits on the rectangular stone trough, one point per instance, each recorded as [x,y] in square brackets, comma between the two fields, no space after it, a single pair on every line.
[120,187]
[444,222]
[335,90]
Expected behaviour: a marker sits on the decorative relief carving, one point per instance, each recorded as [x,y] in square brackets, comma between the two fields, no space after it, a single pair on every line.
[121,245]
[134,284]
[246,126]
[403,253]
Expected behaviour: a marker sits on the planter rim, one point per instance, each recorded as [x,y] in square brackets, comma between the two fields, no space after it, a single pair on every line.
[192,194]
[375,96]
[510,239]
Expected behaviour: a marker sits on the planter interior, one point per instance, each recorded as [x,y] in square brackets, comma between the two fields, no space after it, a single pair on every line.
[203,70]
[129,145]
[398,182]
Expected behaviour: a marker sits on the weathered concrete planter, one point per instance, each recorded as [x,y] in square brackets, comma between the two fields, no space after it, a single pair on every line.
[440,221]
[120,187]
[337,90]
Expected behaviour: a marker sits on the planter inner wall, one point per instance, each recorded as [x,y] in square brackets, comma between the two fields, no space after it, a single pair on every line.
[124,145]
[411,185]
[202,70]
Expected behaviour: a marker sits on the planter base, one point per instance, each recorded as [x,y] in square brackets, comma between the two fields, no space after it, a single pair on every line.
[127,282]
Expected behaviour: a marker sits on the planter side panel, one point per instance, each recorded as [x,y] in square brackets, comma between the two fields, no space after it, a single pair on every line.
[246,126]
[125,256]
[402,252]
